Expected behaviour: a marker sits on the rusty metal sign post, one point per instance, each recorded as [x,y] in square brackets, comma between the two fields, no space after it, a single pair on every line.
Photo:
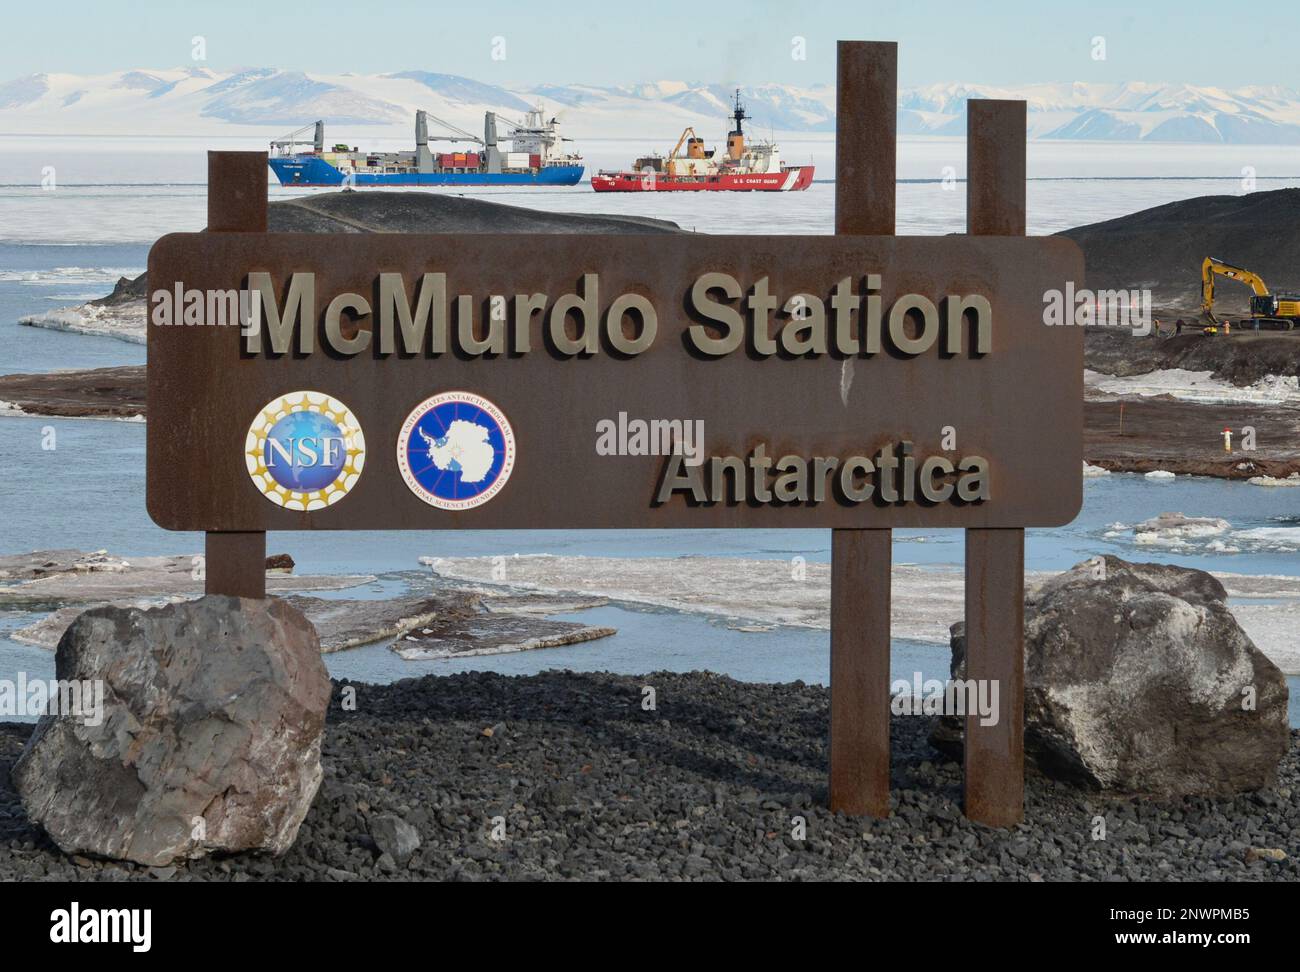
[858,382]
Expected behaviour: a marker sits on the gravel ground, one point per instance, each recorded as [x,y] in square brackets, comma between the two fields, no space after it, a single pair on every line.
[585,783]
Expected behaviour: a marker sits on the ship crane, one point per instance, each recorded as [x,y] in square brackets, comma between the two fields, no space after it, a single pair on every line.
[687,132]
[512,128]
[457,134]
[424,156]
[284,145]
[696,161]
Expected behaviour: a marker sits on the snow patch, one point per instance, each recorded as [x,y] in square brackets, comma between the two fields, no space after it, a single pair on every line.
[1196,386]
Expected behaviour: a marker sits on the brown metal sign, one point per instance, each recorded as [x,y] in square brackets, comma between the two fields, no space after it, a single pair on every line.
[611,381]
[859,382]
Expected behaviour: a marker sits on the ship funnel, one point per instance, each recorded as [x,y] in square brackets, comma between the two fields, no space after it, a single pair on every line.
[423,157]
[319,140]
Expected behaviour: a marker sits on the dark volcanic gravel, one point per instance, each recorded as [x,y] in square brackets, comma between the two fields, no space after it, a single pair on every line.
[707,786]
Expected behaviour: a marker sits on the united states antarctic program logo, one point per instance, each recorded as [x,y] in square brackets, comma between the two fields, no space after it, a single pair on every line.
[456,450]
[305,451]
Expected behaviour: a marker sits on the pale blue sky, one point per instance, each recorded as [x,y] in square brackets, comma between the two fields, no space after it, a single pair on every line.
[625,41]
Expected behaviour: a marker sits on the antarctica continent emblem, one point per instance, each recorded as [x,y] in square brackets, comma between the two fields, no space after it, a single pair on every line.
[456,450]
[305,451]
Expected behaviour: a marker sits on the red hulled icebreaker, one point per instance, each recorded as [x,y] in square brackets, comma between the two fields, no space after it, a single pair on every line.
[755,167]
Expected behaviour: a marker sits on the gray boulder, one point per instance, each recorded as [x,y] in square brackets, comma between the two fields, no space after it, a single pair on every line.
[210,738]
[1138,679]
[394,836]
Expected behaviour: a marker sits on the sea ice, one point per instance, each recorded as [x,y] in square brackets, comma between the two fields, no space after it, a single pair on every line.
[125,322]
[925,600]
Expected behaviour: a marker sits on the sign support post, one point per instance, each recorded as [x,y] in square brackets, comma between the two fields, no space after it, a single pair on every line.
[995,558]
[865,167]
[235,562]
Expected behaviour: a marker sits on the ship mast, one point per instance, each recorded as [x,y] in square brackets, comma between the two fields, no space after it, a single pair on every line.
[736,137]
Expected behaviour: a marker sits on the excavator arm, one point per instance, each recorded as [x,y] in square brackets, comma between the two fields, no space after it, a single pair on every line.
[1212,268]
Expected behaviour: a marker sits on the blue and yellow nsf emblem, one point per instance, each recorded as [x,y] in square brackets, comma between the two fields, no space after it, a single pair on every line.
[305,451]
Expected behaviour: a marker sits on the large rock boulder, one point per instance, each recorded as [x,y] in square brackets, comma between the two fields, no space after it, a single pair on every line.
[210,737]
[1138,679]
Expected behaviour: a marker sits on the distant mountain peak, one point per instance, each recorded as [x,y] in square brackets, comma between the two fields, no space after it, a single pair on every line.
[199,99]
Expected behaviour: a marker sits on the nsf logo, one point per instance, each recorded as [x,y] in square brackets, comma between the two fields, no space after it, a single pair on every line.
[456,450]
[305,451]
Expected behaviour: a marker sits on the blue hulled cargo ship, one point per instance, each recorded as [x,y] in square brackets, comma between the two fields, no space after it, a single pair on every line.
[536,158]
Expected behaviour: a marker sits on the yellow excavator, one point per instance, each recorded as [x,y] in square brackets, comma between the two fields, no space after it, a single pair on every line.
[1267,310]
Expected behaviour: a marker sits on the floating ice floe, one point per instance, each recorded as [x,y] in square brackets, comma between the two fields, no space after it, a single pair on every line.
[1164,474]
[492,635]
[74,577]
[1222,546]
[1292,480]
[1090,470]
[71,275]
[125,322]
[1205,534]
[10,410]
[1181,525]
[1281,539]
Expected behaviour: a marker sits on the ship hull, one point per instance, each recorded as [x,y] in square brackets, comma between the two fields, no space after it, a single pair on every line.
[791,179]
[309,171]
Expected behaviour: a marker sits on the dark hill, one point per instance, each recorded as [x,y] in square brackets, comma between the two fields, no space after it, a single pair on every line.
[419,212]
[1161,249]
[416,212]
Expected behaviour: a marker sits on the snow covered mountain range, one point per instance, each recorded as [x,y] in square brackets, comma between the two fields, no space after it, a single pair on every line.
[197,101]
